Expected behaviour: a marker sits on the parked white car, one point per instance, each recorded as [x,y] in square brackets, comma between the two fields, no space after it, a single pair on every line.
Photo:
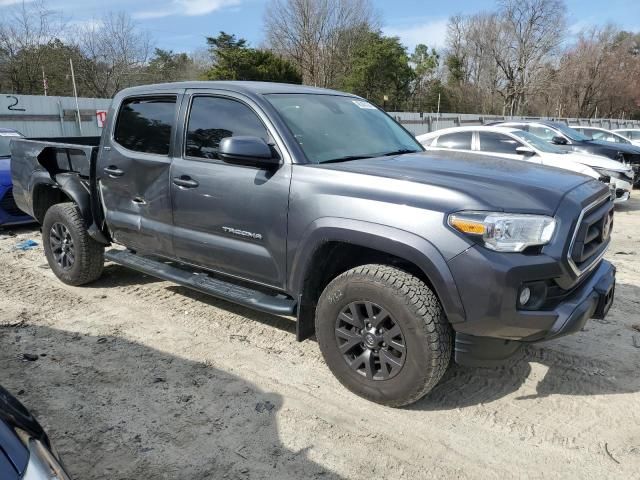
[508,142]
[631,134]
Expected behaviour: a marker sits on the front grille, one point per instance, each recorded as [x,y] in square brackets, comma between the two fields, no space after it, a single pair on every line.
[592,235]
[9,205]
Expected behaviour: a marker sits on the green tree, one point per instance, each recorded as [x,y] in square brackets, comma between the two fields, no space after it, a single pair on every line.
[425,61]
[380,68]
[234,60]
[166,66]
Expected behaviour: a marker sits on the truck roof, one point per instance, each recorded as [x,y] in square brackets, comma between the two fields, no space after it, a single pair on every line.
[259,88]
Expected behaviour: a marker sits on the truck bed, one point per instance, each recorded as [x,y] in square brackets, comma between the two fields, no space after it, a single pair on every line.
[56,155]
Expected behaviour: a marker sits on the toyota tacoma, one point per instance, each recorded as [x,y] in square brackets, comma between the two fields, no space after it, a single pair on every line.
[315,204]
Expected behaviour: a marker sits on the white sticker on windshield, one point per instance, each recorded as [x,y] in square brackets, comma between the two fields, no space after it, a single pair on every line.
[9,134]
[363,104]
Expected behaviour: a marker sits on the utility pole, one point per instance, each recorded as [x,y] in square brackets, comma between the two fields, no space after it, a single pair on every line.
[44,82]
[75,94]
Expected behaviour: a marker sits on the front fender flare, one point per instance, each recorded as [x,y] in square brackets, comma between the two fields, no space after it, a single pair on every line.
[399,243]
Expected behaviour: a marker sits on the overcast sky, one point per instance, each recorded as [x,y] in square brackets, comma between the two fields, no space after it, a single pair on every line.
[182,25]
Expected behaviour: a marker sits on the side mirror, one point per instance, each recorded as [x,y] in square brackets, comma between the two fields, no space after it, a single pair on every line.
[526,151]
[558,140]
[251,151]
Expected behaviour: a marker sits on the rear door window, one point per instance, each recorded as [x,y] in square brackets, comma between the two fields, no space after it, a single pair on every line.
[455,141]
[144,124]
[498,143]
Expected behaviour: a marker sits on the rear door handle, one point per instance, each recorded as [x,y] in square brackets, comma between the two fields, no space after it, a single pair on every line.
[113,171]
[185,182]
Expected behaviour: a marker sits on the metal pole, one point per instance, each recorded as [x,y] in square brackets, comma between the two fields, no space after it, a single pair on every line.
[75,94]
[44,82]
[61,113]
[438,114]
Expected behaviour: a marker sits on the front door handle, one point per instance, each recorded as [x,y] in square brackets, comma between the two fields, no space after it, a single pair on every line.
[185,182]
[113,171]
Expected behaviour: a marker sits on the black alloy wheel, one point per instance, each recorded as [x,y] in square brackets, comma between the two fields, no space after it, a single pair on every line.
[370,341]
[62,246]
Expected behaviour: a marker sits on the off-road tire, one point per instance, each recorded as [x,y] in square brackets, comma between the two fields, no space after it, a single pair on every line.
[89,254]
[414,308]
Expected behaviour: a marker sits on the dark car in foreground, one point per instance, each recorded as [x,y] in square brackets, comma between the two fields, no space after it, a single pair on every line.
[25,450]
[10,214]
[566,137]
[316,204]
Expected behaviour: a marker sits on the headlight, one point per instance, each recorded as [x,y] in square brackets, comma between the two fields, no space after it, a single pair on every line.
[625,175]
[505,232]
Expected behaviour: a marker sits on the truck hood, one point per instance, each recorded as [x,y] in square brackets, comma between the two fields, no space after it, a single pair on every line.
[475,181]
[5,171]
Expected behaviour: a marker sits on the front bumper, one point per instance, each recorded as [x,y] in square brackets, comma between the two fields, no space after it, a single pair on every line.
[498,329]
[622,189]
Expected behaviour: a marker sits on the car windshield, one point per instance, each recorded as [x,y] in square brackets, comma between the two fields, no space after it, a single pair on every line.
[538,143]
[332,128]
[571,133]
[5,142]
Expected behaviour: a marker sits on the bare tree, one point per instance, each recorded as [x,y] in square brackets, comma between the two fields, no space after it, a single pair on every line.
[529,32]
[505,55]
[599,73]
[24,29]
[318,36]
[115,52]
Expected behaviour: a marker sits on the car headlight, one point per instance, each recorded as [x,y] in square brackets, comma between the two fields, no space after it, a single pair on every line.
[505,232]
[625,175]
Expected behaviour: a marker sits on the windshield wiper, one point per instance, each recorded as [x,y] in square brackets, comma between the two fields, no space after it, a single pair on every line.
[347,158]
[400,152]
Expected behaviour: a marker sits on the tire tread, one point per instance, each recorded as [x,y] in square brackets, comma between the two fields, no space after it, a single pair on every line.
[423,303]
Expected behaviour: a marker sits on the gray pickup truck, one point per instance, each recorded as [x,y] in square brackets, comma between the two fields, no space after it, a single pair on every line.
[315,204]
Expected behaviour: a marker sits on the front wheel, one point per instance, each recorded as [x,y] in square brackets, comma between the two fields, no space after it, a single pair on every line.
[73,255]
[383,334]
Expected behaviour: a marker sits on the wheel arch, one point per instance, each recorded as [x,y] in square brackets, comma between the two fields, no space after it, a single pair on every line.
[331,246]
[67,187]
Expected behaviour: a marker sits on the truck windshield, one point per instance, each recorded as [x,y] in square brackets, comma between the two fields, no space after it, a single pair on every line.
[332,128]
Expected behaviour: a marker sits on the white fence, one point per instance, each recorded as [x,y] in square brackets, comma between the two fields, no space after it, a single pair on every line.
[419,123]
[40,116]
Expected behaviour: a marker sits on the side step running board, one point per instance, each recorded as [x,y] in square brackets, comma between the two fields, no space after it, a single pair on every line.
[275,304]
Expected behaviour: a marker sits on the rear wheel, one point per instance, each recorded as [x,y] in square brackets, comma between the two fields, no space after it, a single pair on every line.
[383,334]
[73,255]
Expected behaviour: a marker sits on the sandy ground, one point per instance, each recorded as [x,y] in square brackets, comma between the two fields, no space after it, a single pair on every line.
[137,378]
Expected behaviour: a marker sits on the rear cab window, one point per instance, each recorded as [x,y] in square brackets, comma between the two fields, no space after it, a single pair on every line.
[144,124]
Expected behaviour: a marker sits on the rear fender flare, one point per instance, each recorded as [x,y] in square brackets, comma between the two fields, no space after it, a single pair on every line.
[70,184]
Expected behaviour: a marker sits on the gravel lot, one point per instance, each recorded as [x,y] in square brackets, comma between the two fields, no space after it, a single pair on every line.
[138,378]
